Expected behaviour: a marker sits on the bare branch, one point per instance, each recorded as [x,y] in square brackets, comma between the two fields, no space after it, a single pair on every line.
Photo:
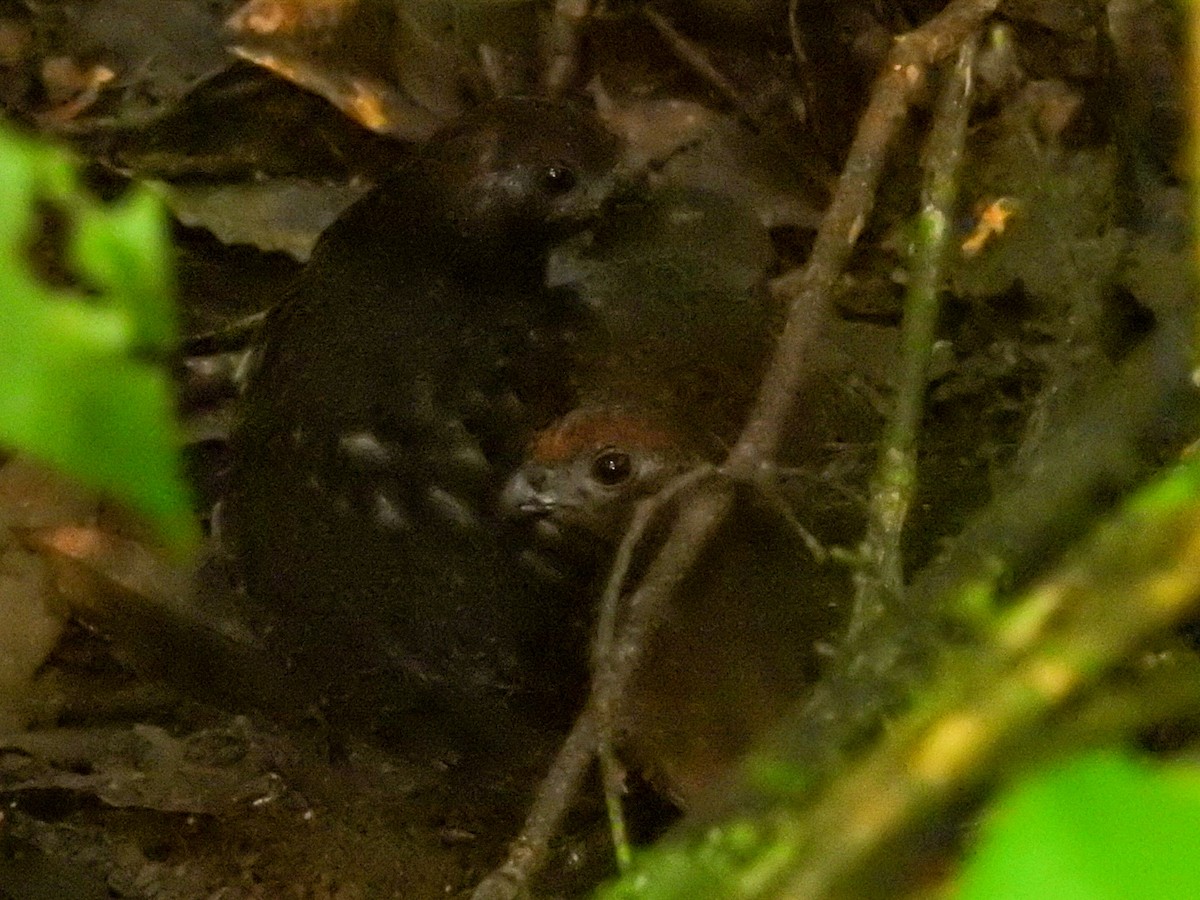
[809,288]
[701,514]
[881,576]
[563,45]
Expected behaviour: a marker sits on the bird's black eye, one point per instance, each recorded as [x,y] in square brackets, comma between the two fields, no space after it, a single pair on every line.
[558,178]
[612,467]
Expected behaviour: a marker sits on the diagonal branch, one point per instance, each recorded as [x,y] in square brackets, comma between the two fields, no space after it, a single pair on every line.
[809,291]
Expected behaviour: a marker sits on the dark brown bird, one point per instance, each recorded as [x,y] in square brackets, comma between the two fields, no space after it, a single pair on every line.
[403,372]
[738,644]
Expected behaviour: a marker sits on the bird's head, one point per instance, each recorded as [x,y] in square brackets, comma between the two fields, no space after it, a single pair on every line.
[587,471]
[523,167]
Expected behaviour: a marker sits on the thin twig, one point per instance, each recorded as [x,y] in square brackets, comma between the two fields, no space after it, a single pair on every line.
[695,523]
[693,56]
[554,796]
[810,288]
[644,516]
[563,44]
[612,775]
[236,335]
[881,574]
[768,488]
[799,54]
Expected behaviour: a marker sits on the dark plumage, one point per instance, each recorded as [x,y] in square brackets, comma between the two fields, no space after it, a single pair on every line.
[737,644]
[401,374]
[403,379]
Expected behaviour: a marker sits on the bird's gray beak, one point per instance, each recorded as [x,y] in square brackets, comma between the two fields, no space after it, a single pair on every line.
[524,495]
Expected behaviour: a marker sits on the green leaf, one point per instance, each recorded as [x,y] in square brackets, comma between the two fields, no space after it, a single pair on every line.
[82,378]
[1103,826]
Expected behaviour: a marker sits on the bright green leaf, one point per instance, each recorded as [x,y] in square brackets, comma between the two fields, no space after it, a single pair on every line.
[82,380]
[1101,827]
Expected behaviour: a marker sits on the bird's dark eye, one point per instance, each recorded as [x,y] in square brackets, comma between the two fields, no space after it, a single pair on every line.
[611,467]
[558,178]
